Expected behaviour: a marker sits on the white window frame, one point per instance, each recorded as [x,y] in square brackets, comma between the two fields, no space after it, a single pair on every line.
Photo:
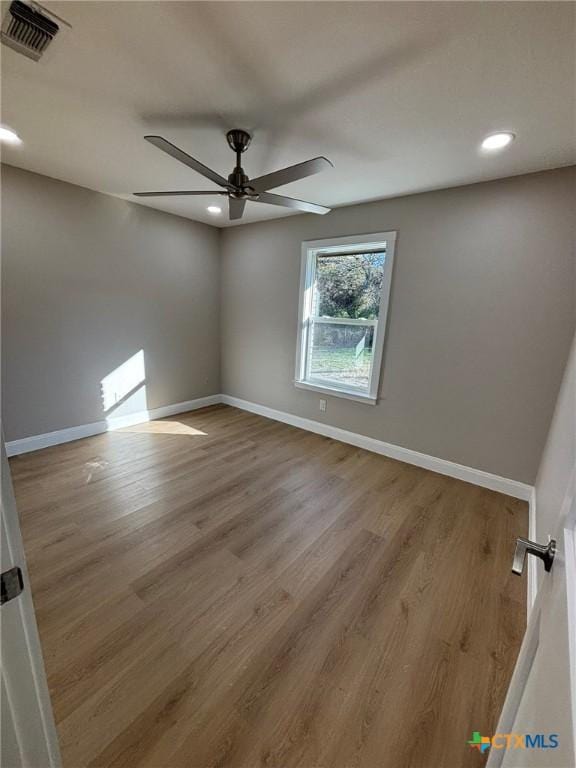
[311,249]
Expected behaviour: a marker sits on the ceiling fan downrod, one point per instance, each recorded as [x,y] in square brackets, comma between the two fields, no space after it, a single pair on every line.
[239,142]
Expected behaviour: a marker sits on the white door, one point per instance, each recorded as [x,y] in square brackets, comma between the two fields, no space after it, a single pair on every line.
[541,700]
[27,725]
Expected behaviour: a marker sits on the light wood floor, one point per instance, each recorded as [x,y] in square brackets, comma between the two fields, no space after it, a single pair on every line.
[218,589]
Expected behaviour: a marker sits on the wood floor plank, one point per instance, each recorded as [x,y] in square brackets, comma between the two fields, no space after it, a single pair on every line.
[219,589]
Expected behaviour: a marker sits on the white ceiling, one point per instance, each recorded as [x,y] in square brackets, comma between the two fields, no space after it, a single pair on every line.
[398,95]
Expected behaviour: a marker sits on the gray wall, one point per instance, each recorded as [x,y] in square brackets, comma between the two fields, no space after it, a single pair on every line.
[481,318]
[88,281]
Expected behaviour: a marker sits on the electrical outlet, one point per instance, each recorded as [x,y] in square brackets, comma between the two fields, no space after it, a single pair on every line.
[322,405]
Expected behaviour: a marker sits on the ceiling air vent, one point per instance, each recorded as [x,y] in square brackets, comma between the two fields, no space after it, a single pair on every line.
[27,29]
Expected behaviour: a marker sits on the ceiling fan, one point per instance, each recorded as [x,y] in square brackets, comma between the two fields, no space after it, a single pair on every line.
[238,187]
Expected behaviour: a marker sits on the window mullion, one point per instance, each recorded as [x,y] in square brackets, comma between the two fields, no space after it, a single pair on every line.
[343,320]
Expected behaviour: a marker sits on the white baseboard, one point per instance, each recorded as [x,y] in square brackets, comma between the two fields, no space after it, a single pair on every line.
[442,466]
[459,471]
[36,442]
[190,405]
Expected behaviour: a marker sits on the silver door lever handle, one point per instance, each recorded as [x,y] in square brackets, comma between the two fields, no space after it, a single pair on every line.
[545,552]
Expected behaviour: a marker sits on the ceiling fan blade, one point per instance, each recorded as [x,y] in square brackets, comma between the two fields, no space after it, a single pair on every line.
[290,202]
[191,162]
[292,173]
[236,208]
[180,192]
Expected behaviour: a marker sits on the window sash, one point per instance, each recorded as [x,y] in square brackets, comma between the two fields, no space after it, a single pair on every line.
[328,382]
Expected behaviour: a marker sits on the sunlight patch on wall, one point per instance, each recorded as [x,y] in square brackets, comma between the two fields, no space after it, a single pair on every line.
[124,393]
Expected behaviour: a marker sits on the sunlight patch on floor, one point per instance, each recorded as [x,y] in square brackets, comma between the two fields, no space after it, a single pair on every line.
[163,428]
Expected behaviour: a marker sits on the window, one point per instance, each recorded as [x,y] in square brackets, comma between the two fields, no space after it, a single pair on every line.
[344,290]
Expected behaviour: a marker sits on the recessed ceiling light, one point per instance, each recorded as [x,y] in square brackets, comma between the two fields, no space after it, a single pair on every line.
[214,209]
[8,136]
[497,141]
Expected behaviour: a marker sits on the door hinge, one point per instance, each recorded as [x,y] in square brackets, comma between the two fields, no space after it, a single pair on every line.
[12,584]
